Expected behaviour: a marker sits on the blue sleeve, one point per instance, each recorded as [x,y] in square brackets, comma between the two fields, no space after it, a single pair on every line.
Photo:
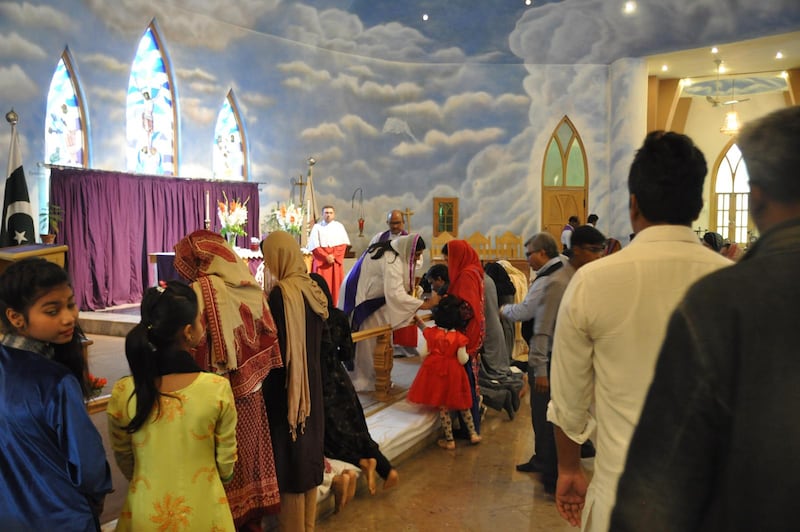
[79,440]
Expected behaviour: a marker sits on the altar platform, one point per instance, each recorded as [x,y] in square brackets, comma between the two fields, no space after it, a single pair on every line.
[400,428]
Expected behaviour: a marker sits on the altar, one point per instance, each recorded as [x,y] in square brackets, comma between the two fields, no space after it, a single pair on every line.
[163,264]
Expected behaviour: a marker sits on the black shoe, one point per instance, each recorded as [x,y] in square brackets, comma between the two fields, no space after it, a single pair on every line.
[549,488]
[588,450]
[531,466]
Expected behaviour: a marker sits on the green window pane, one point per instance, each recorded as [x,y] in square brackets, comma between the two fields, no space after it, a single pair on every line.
[553,169]
[576,174]
[564,134]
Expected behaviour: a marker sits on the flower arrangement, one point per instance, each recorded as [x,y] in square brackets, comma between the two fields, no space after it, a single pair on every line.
[96,385]
[287,218]
[232,216]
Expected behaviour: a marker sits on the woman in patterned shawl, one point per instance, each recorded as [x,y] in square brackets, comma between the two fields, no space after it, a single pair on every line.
[241,342]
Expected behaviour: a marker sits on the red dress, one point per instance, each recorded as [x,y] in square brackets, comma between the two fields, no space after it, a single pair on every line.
[441,380]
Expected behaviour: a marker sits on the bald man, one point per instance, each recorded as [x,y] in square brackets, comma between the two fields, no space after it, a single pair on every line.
[397,227]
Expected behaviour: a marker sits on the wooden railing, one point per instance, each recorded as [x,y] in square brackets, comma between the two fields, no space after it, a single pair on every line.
[383,359]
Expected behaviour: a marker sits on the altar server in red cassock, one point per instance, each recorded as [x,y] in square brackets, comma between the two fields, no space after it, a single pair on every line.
[328,243]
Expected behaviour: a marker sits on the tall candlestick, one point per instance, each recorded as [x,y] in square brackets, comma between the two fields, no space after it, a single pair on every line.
[207,207]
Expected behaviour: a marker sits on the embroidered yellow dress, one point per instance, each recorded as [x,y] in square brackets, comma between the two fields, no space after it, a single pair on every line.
[175,462]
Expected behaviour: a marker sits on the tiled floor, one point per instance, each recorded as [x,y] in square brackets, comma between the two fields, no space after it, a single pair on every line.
[471,488]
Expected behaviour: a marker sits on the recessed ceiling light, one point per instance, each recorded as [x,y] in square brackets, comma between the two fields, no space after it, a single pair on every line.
[686,82]
[779,55]
[528,2]
[714,50]
[722,69]
[664,68]
[425,16]
[629,8]
[785,75]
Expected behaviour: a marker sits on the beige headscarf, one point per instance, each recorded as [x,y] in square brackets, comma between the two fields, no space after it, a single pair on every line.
[285,262]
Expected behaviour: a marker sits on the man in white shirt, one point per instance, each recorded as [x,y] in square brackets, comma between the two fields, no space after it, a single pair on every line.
[328,243]
[613,318]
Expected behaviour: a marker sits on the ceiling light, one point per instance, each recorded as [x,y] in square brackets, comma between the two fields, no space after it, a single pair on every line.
[425,16]
[722,69]
[686,82]
[629,8]
[528,2]
[779,55]
[714,50]
[784,75]
[664,68]
[731,125]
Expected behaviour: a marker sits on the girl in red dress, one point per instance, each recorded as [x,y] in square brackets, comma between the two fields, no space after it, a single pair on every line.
[441,380]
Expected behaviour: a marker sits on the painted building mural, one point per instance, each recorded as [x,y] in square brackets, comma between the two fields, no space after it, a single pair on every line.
[461,105]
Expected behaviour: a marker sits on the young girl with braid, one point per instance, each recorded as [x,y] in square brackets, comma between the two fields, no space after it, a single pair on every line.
[172,426]
[441,380]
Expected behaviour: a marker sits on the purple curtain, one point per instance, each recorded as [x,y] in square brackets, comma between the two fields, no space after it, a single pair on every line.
[112,220]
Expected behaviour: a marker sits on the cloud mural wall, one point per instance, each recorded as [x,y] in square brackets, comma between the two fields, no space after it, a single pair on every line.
[403,111]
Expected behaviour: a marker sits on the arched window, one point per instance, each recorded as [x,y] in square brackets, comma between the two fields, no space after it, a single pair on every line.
[230,154]
[564,178]
[565,160]
[65,124]
[729,214]
[151,109]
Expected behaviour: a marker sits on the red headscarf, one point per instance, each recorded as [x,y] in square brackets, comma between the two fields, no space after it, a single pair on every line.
[466,282]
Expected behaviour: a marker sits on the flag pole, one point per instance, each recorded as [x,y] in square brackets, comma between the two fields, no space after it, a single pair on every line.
[16,226]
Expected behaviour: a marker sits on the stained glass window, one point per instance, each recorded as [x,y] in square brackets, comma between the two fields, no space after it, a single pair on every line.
[64,139]
[229,153]
[150,110]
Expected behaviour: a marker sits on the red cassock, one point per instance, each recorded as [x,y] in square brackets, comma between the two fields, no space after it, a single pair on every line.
[333,273]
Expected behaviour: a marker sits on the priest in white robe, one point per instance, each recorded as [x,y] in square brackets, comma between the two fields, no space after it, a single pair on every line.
[379,291]
[328,243]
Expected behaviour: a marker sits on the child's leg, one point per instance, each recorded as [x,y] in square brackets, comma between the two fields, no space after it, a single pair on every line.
[474,437]
[447,426]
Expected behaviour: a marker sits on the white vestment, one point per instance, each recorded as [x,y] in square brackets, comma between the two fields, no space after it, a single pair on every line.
[327,235]
[388,277]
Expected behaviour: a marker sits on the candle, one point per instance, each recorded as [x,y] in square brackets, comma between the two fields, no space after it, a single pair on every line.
[207,207]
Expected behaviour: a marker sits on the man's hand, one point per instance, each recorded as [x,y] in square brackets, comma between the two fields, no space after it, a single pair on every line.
[331,259]
[571,495]
[541,384]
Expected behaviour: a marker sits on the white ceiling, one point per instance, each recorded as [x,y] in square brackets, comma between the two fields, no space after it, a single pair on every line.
[743,58]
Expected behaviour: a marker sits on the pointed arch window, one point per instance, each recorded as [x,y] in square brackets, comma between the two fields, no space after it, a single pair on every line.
[229,159]
[65,135]
[565,158]
[151,109]
[730,215]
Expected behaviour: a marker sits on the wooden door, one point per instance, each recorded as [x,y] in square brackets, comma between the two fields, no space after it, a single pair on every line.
[558,204]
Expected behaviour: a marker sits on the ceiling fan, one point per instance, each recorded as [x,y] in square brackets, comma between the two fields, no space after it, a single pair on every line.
[715,100]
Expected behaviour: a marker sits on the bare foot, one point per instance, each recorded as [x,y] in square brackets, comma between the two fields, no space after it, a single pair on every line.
[368,466]
[475,439]
[351,492]
[391,479]
[340,486]
[446,444]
